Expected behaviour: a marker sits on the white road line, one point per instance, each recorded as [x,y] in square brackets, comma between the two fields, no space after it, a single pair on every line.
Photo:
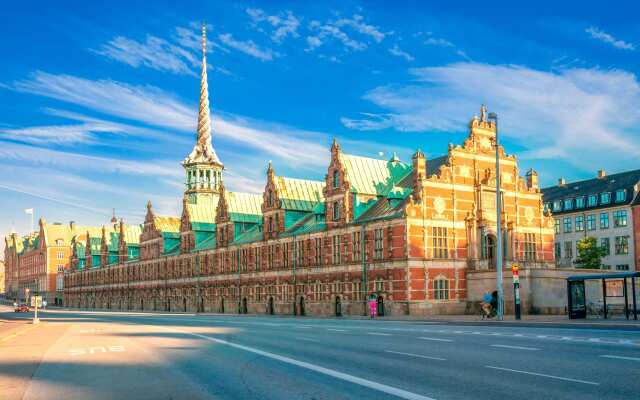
[504,346]
[622,357]
[434,339]
[544,375]
[326,371]
[416,355]
[307,339]
[336,330]
[302,327]
[378,334]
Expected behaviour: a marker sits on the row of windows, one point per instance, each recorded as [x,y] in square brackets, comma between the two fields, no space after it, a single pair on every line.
[621,247]
[588,222]
[587,201]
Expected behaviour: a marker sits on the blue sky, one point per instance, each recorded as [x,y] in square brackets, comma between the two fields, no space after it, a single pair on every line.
[98,103]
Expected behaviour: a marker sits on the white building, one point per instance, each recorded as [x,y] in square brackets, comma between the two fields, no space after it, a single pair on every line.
[599,208]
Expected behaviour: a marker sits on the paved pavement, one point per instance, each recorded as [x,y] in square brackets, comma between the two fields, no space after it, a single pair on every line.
[105,355]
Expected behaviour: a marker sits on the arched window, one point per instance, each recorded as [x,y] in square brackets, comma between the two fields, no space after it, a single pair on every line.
[270,198]
[336,210]
[270,224]
[336,179]
[441,288]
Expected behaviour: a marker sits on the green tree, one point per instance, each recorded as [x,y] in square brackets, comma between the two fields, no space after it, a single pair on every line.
[589,253]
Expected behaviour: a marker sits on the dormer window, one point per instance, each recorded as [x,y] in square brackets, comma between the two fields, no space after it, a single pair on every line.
[621,195]
[580,202]
[336,179]
[605,198]
[592,200]
[568,204]
[557,205]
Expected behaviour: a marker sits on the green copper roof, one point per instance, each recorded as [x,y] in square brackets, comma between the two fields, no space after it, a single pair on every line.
[311,223]
[251,235]
[299,194]
[201,207]
[166,224]
[244,207]
[372,176]
[208,243]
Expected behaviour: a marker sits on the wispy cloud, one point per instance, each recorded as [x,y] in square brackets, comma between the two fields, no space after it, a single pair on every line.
[605,37]
[589,112]
[395,50]
[248,47]
[337,30]
[154,53]
[357,23]
[284,24]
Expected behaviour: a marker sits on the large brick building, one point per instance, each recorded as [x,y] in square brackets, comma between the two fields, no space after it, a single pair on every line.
[407,232]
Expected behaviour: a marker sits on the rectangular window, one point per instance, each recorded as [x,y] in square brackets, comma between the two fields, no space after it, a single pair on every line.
[285,254]
[300,252]
[557,250]
[318,251]
[60,255]
[271,255]
[580,202]
[622,244]
[579,223]
[592,200]
[530,246]
[605,243]
[356,246]
[605,198]
[568,250]
[377,243]
[557,205]
[567,224]
[591,222]
[620,218]
[556,226]
[622,267]
[621,195]
[440,242]
[568,204]
[336,249]
[441,289]
[604,220]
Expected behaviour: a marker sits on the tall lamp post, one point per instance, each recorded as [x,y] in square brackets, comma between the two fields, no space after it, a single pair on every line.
[500,312]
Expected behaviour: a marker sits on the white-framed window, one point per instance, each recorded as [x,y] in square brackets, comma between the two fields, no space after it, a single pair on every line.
[530,246]
[568,204]
[356,245]
[440,242]
[592,200]
[621,195]
[620,218]
[441,288]
[622,244]
[60,255]
[605,198]
[336,249]
[377,240]
[318,243]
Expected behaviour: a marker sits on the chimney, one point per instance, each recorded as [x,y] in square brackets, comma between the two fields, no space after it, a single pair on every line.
[419,174]
[532,179]
[601,174]
[562,182]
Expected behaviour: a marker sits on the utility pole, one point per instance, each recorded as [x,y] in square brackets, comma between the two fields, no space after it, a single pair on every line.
[295,253]
[364,269]
[500,311]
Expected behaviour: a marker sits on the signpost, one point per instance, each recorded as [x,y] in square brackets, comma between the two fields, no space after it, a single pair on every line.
[36,301]
[516,289]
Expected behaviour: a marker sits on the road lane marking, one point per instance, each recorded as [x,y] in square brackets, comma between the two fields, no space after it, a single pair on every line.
[416,355]
[4,339]
[434,339]
[404,394]
[336,330]
[378,334]
[307,339]
[543,375]
[621,357]
[504,346]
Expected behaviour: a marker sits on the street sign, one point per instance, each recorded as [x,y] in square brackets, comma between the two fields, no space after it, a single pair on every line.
[516,289]
[36,301]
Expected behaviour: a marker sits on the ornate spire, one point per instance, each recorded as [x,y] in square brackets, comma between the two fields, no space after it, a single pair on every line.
[203,150]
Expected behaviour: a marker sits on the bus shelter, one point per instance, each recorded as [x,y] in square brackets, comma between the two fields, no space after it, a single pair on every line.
[603,295]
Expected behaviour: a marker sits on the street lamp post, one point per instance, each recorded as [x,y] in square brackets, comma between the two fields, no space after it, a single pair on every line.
[500,312]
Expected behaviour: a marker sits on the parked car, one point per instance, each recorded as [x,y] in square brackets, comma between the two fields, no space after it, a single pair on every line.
[22,308]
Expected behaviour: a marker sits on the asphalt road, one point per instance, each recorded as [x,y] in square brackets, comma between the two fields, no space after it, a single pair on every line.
[103,355]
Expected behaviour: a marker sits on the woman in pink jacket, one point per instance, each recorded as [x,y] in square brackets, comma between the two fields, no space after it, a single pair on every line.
[373,306]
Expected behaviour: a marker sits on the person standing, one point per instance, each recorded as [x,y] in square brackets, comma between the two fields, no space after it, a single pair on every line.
[373,306]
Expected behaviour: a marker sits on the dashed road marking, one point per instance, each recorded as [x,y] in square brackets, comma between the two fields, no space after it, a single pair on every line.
[416,355]
[307,339]
[404,394]
[95,350]
[621,357]
[504,346]
[9,337]
[543,375]
[336,330]
[378,334]
[435,339]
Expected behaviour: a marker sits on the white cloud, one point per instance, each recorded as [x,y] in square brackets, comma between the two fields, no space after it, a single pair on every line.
[155,53]
[283,24]
[395,50]
[357,23]
[248,47]
[589,112]
[603,36]
[438,42]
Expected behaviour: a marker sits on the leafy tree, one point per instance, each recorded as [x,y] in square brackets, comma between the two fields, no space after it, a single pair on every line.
[589,253]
